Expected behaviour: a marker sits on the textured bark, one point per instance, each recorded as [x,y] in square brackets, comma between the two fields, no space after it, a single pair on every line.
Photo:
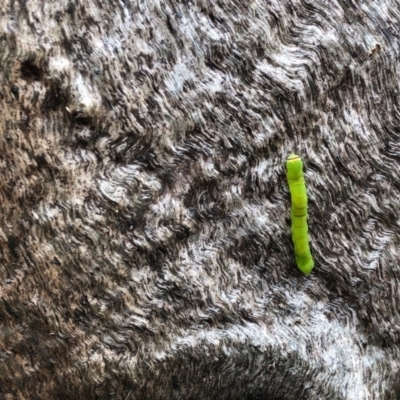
[145,246]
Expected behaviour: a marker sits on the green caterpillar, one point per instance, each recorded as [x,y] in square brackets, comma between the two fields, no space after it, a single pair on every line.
[298,193]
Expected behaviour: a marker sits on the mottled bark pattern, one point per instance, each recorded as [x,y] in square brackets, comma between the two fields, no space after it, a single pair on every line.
[145,245]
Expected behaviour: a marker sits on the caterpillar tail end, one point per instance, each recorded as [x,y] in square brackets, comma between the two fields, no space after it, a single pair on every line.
[305,266]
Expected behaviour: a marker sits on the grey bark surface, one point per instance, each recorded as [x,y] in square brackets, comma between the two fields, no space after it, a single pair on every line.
[145,246]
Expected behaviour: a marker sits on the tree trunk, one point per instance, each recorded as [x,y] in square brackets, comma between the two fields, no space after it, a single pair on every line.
[145,244]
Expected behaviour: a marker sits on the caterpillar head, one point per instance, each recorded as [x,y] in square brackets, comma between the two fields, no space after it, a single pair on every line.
[294,167]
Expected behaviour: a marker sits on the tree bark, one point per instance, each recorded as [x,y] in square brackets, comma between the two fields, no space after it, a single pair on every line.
[145,245]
